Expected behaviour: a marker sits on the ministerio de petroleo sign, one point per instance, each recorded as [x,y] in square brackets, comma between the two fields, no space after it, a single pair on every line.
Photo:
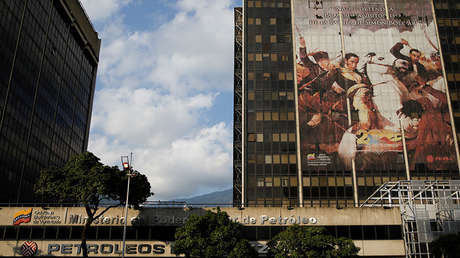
[69,216]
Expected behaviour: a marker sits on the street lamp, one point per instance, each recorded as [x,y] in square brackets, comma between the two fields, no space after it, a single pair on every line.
[125,161]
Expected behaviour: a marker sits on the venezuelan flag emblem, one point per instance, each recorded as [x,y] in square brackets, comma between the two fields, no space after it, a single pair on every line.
[23,216]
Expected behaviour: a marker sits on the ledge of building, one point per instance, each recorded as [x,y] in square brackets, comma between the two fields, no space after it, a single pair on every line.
[84,27]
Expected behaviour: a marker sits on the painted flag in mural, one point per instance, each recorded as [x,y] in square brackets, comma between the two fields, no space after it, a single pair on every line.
[23,216]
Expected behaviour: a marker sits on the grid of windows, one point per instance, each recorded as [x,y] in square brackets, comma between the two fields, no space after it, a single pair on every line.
[270,128]
[162,233]
[166,233]
[448,17]
[46,82]
[271,161]
[393,232]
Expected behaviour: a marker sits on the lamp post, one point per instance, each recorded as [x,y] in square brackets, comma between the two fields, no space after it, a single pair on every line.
[125,161]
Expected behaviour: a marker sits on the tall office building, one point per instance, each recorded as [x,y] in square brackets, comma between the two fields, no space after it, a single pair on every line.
[334,98]
[48,57]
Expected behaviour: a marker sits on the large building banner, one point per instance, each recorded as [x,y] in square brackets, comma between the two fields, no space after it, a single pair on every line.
[364,81]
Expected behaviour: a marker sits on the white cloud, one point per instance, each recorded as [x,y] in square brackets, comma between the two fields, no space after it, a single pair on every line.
[102,9]
[192,51]
[145,117]
[155,90]
[182,168]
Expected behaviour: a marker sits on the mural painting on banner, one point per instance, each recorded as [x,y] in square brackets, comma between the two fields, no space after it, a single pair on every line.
[388,82]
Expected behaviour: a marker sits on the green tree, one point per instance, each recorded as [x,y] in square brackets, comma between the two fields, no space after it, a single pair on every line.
[297,241]
[86,181]
[212,235]
[447,246]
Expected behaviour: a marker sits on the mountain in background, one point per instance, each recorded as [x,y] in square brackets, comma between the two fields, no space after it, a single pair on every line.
[220,197]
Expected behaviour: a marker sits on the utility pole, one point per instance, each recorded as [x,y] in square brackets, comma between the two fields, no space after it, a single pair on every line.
[127,167]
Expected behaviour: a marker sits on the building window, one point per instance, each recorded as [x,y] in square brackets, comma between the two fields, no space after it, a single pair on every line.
[251,95]
[340,181]
[260,160]
[260,182]
[284,137]
[306,181]
[267,116]
[283,116]
[442,6]
[281,76]
[292,159]
[348,180]
[258,21]
[284,159]
[284,181]
[268,182]
[453,77]
[258,38]
[331,181]
[251,159]
[293,180]
[457,40]
[259,116]
[250,57]
[250,21]
[274,57]
[268,159]
[260,137]
[361,181]
[272,21]
[276,159]
[258,57]
[272,38]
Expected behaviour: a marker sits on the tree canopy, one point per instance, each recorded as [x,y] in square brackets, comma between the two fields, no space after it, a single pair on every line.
[85,180]
[297,241]
[212,235]
[446,246]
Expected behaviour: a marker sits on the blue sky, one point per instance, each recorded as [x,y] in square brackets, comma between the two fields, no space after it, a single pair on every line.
[164,91]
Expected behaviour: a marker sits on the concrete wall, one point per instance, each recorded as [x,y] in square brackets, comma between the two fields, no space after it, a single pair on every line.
[393,248]
[177,216]
[247,216]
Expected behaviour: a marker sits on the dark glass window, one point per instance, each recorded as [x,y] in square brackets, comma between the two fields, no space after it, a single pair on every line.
[51,232]
[64,233]
[11,233]
[76,232]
